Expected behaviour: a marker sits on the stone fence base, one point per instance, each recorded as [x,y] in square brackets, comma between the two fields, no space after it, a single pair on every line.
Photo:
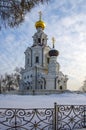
[35,92]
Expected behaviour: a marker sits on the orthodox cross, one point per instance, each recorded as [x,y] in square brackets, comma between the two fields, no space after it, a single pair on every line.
[40,15]
[53,41]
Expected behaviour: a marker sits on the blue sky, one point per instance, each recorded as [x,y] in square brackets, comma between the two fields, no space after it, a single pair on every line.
[66,21]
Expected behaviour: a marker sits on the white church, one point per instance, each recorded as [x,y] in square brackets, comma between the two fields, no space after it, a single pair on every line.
[42,71]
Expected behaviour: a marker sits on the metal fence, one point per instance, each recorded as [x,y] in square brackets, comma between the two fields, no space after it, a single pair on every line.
[70,117]
[61,117]
[26,119]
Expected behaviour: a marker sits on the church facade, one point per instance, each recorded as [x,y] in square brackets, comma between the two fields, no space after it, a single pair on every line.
[42,71]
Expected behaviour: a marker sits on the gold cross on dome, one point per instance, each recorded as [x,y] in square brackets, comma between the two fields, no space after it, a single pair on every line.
[53,41]
[40,15]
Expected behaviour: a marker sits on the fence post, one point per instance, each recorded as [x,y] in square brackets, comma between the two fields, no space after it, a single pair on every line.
[84,116]
[55,116]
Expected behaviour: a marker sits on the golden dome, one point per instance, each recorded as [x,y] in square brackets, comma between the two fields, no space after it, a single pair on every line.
[40,23]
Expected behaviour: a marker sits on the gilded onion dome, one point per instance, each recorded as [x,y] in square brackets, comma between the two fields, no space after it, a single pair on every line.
[40,23]
[53,51]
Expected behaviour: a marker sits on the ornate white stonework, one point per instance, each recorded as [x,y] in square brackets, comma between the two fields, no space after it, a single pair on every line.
[41,67]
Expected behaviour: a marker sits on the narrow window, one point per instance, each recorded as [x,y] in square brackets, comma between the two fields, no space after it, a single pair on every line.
[42,41]
[28,61]
[39,40]
[37,59]
[41,86]
[60,87]
[48,60]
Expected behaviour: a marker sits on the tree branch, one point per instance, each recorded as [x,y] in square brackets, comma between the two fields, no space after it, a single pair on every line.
[12,12]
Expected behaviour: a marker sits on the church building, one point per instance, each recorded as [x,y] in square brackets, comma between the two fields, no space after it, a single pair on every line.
[42,71]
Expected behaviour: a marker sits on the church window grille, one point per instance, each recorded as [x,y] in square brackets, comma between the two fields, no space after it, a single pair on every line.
[37,59]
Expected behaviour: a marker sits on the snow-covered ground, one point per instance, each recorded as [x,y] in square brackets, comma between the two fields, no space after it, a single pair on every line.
[41,101]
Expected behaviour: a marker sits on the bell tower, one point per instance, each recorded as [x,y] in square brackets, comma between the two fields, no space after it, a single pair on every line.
[40,38]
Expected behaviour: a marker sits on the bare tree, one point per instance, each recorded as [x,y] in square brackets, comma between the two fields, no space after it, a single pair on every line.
[9,82]
[3,84]
[12,12]
[17,80]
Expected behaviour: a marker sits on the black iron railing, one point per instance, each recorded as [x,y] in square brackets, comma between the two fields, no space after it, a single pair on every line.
[70,117]
[61,117]
[26,119]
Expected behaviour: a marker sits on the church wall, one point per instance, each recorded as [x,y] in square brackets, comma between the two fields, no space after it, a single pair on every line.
[36,52]
[46,56]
